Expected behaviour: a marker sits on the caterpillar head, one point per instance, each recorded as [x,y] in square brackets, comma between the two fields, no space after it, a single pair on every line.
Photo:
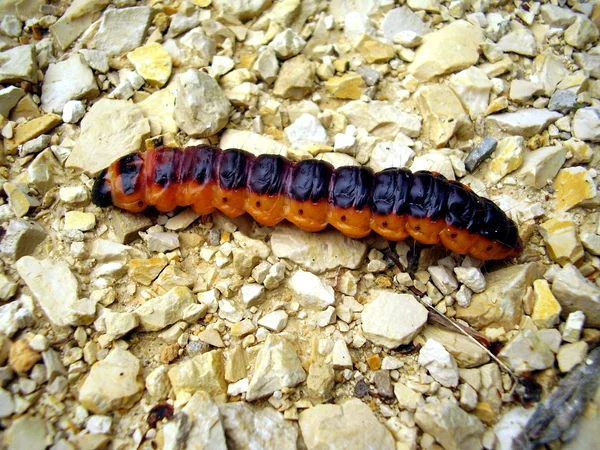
[101,192]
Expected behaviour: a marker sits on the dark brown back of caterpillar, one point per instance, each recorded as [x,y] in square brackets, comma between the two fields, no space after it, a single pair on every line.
[394,203]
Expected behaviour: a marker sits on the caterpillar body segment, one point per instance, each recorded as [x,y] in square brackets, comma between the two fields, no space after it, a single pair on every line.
[394,203]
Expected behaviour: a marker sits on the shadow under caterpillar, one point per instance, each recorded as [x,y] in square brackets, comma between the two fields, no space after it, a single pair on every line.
[394,203]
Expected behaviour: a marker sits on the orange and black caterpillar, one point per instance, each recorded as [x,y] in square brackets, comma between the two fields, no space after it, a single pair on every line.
[394,203]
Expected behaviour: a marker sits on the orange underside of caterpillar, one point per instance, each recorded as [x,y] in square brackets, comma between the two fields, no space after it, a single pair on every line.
[270,209]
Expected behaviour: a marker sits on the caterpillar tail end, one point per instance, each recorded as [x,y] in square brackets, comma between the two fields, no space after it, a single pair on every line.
[101,192]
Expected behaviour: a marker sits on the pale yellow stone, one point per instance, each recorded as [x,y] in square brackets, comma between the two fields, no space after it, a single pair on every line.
[32,129]
[235,364]
[573,185]
[580,150]
[546,309]
[375,51]
[496,105]
[562,242]
[17,199]
[152,62]
[144,271]
[241,329]
[509,157]
[159,109]
[202,3]
[348,86]
[77,220]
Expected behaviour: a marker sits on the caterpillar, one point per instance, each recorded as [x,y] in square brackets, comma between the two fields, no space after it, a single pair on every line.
[395,203]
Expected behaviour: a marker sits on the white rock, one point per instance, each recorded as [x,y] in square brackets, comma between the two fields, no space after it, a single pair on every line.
[575,293]
[526,352]
[471,277]
[355,25]
[306,130]
[573,327]
[9,97]
[19,64]
[29,432]
[311,290]
[434,161]
[71,79]
[341,358]
[381,119]
[586,124]
[158,384]
[98,424]
[443,279]
[277,366]
[275,276]
[392,319]
[221,65]
[326,317]
[569,355]
[201,107]
[16,315]
[275,321]
[267,66]
[56,290]
[161,241]
[159,312]
[541,165]
[407,397]
[7,404]
[473,88]
[254,143]
[403,19]
[253,294]
[511,424]
[287,44]
[520,41]
[122,30]
[390,154]
[526,122]
[440,364]
[73,111]
[110,129]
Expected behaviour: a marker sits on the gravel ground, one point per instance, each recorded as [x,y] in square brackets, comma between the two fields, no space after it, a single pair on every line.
[176,331]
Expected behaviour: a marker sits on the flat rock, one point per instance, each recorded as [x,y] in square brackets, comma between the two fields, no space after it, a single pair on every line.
[71,79]
[443,115]
[450,49]
[526,122]
[392,319]
[381,119]
[122,29]
[9,97]
[576,293]
[78,18]
[277,366]
[561,239]
[255,143]
[351,424]
[200,425]
[110,129]
[402,19]
[526,352]
[159,109]
[28,432]
[201,107]
[473,88]
[27,131]
[520,41]
[305,131]
[509,157]
[152,62]
[21,238]
[311,290]
[573,185]
[56,290]
[242,9]
[581,32]
[541,166]
[440,364]
[500,305]
[586,124]
[204,372]
[452,427]
[126,386]
[18,64]
[465,352]
[317,252]
[248,427]
[160,312]
[296,78]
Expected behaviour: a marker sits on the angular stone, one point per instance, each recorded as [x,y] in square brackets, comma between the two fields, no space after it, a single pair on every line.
[267,66]
[526,352]
[21,238]
[541,165]
[275,321]
[480,153]
[520,41]
[374,51]
[589,62]
[381,119]
[586,124]
[296,78]
[125,370]
[159,109]
[242,9]
[443,115]
[32,129]
[408,398]
[509,157]
[402,19]
[22,357]
[546,309]
[581,32]
[526,122]
[348,86]
[9,97]
[248,427]
[452,48]
[561,239]
[576,293]
[28,432]
[152,62]
[79,17]
[351,424]
[56,290]
[110,129]
[570,355]
[473,88]
[122,30]
[77,220]
[127,225]
[500,305]
[204,372]
[277,366]
[18,64]
[320,379]
[392,319]
[439,363]
[452,427]
[71,79]
[465,352]
[305,131]
[317,252]
[573,185]
[556,16]
[312,292]
[165,310]
[201,107]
